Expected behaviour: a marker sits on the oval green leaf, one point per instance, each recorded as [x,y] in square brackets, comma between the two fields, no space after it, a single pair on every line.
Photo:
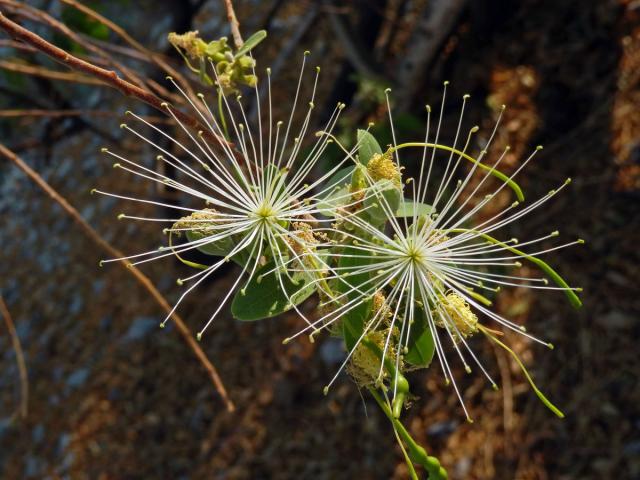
[251,42]
[264,298]
[354,321]
[406,209]
[421,345]
[368,146]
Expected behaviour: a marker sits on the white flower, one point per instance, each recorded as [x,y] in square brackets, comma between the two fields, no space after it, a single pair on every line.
[250,195]
[441,263]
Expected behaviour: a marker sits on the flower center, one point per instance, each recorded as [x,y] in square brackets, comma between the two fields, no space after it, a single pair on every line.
[265,212]
[415,255]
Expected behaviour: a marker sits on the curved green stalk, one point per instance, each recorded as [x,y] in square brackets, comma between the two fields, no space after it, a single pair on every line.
[513,185]
[481,298]
[407,460]
[221,113]
[186,262]
[416,453]
[397,378]
[540,395]
[573,298]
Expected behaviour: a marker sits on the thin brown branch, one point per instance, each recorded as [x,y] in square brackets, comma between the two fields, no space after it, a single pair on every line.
[38,71]
[233,23]
[137,274]
[19,113]
[128,52]
[5,42]
[22,366]
[122,33]
[44,18]
[109,77]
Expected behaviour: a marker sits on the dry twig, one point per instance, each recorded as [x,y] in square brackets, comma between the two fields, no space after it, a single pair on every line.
[137,274]
[22,367]
[19,113]
[159,60]
[38,71]
[44,18]
[108,77]
[233,23]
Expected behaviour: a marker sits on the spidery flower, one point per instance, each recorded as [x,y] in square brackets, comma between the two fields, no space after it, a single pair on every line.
[435,257]
[253,202]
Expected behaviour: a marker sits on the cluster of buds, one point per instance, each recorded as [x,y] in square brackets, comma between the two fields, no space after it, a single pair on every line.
[230,70]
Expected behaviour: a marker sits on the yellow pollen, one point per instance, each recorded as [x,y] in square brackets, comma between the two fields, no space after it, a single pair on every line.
[457,314]
[381,167]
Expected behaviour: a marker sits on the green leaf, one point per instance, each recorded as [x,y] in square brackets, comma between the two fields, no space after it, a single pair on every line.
[335,198]
[407,206]
[220,248]
[421,345]
[341,177]
[339,193]
[368,146]
[382,197]
[263,297]
[251,42]
[354,321]
[216,249]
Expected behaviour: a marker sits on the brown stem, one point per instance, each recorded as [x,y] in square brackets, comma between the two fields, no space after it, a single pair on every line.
[233,23]
[122,33]
[38,71]
[22,367]
[109,77]
[137,274]
[34,112]
[44,18]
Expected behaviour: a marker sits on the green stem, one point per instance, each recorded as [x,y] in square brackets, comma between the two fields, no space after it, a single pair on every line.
[189,263]
[221,113]
[537,391]
[568,291]
[407,460]
[417,454]
[401,384]
[513,185]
